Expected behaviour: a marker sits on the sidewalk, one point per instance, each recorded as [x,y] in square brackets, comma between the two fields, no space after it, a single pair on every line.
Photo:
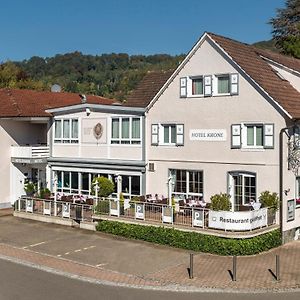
[210,271]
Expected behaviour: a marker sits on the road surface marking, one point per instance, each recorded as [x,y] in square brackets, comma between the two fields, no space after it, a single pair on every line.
[33,245]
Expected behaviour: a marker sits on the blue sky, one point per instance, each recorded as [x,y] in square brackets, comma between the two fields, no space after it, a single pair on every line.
[48,27]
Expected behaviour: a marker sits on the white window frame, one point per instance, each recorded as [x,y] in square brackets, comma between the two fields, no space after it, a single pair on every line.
[187,194]
[162,134]
[126,141]
[244,127]
[216,84]
[70,140]
[243,174]
[190,86]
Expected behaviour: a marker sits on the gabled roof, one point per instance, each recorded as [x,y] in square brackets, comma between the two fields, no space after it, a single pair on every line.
[249,59]
[148,88]
[29,103]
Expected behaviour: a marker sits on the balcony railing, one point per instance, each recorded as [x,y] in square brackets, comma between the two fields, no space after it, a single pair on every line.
[32,151]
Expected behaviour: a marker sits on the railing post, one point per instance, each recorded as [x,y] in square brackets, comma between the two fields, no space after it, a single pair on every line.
[277,268]
[19,204]
[191,266]
[234,267]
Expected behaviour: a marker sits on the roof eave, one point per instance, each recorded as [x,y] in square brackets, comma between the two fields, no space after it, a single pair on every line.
[96,107]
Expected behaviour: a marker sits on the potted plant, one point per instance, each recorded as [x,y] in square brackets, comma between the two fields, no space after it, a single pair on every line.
[270,200]
[220,202]
[45,193]
[29,188]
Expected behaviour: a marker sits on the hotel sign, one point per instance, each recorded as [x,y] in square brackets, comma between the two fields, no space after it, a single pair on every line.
[209,135]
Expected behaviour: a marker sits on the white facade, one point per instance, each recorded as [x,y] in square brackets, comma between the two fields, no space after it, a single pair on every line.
[230,139]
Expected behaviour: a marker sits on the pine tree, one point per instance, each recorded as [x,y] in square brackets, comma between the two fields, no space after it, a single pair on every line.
[286,28]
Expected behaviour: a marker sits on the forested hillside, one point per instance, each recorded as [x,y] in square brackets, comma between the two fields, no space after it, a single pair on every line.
[109,75]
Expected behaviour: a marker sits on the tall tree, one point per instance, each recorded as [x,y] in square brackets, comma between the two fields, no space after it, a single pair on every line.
[286,28]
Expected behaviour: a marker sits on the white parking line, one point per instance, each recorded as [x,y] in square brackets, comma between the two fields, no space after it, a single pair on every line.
[77,250]
[101,265]
[34,245]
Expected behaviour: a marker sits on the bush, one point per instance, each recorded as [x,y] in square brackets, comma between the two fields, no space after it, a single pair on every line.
[193,240]
[45,193]
[105,186]
[268,199]
[29,188]
[220,202]
[102,207]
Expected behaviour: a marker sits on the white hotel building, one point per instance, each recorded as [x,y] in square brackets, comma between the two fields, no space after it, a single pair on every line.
[212,125]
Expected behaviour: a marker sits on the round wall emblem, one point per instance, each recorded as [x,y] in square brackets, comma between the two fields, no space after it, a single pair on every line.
[98,131]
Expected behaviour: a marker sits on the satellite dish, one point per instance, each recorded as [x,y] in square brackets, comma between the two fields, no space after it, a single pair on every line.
[55,88]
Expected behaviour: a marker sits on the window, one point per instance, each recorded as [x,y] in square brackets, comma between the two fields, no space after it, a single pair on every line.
[223,84]
[66,131]
[81,183]
[197,86]
[243,189]
[254,135]
[169,132]
[126,130]
[187,183]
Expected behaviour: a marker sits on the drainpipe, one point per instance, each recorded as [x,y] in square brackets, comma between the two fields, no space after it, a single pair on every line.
[281,181]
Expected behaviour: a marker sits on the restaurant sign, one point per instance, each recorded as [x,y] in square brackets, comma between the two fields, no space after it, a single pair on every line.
[209,135]
[237,220]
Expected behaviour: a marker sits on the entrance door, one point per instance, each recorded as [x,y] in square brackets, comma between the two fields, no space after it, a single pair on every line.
[242,189]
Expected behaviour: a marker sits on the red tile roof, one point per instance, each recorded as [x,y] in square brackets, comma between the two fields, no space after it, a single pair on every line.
[29,103]
[250,60]
[148,88]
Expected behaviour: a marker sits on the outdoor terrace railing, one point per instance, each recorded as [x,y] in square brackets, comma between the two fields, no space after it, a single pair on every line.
[181,216]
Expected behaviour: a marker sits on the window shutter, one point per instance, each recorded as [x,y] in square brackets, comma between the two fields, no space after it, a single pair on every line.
[179,134]
[183,87]
[235,136]
[154,134]
[269,136]
[207,85]
[234,84]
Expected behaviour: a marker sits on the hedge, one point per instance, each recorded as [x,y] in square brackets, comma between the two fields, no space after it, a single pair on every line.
[193,240]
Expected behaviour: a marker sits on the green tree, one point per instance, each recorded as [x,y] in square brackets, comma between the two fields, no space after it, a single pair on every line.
[105,186]
[286,28]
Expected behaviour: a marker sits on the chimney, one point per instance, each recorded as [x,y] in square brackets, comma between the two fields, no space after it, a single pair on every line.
[83,98]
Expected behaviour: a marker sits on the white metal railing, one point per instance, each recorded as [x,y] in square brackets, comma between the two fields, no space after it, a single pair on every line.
[188,216]
[33,151]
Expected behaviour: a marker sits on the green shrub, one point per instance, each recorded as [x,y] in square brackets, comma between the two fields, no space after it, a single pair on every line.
[105,186]
[45,193]
[30,188]
[268,199]
[102,207]
[220,202]
[193,240]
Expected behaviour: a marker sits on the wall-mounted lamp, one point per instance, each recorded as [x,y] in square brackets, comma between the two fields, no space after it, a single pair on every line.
[88,111]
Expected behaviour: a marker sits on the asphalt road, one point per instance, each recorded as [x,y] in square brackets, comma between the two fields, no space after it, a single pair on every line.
[23,282]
